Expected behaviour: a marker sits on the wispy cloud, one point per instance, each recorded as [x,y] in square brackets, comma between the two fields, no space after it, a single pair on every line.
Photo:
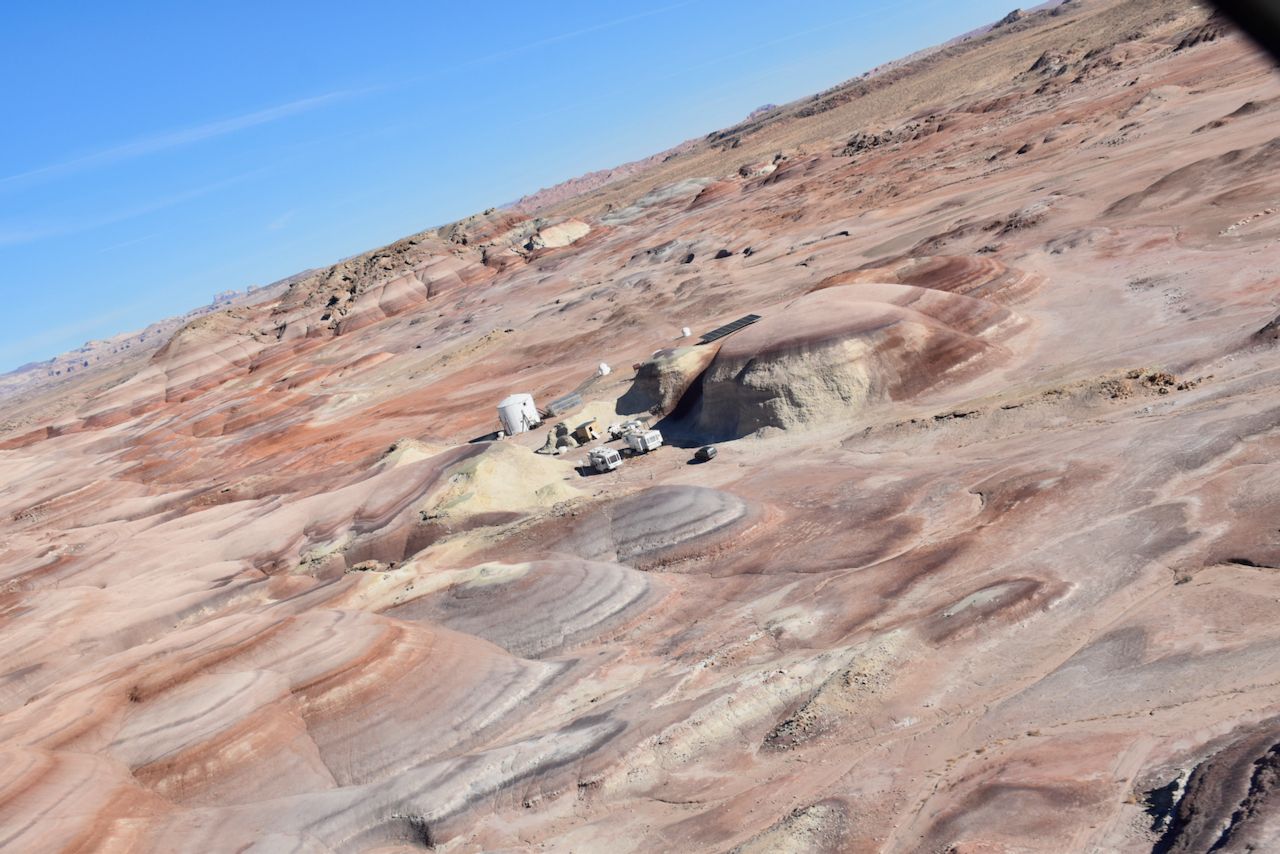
[122,244]
[825,26]
[167,140]
[13,235]
[573,34]
[683,71]
[491,58]
[282,220]
[171,139]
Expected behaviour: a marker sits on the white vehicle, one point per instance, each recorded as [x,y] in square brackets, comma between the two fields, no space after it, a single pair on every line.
[619,429]
[644,441]
[604,459]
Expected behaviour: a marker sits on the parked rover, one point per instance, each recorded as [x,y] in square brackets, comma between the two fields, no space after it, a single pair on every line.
[643,441]
[604,459]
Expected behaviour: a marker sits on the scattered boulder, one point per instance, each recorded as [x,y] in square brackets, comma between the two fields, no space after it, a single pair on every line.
[1025,217]
[757,170]
[559,235]
[483,229]
[862,141]
[1051,63]
[1011,18]
[1270,332]
[369,566]
[1211,30]
[661,253]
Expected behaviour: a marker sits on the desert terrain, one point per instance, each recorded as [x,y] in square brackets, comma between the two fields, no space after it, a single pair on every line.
[988,559]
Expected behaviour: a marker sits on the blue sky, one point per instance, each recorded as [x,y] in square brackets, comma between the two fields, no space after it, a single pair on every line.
[156,153]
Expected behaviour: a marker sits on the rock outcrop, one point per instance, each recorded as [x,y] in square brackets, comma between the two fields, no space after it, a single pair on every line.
[663,379]
[842,349]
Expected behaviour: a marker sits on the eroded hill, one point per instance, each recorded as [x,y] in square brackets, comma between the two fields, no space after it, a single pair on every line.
[986,560]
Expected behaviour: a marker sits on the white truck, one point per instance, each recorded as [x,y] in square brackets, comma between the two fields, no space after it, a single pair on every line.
[618,429]
[644,441]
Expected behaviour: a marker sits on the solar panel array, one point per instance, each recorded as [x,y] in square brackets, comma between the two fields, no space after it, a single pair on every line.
[729,328]
[564,405]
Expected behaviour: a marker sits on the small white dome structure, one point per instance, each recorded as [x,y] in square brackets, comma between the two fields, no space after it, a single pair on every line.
[685,332]
[518,414]
[604,370]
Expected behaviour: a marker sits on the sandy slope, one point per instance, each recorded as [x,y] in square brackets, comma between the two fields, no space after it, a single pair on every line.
[986,563]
